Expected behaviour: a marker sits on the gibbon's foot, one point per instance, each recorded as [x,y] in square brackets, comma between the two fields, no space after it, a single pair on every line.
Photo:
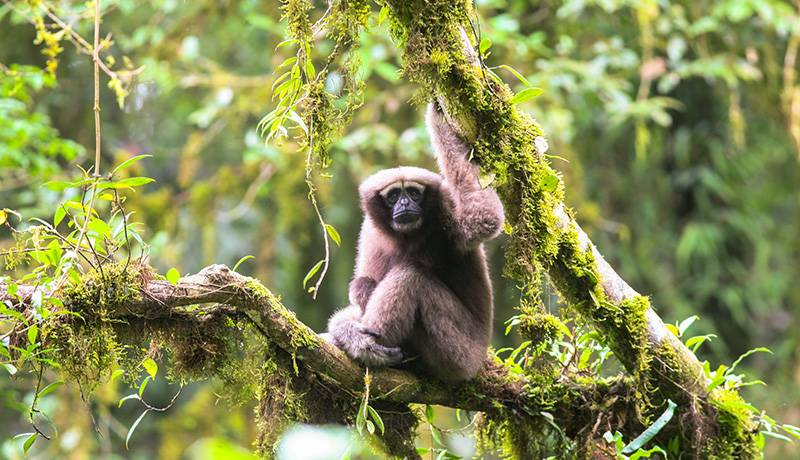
[368,351]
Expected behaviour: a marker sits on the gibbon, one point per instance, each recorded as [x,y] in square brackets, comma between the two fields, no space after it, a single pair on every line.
[421,285]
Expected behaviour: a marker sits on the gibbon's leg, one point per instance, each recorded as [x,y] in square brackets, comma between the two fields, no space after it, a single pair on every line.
[346,331]
[453,341]
[412,304]
[392,308]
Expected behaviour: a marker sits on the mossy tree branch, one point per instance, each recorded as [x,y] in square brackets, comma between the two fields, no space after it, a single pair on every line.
[439,52]
[227,294]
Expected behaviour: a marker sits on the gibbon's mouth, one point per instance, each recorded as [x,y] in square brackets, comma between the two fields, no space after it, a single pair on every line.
[406,222]
[406,218]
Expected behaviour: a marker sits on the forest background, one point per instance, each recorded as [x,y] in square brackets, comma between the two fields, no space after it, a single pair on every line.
[677,124]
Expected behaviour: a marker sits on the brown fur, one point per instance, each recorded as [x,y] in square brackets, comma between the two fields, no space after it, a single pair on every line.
[424,292]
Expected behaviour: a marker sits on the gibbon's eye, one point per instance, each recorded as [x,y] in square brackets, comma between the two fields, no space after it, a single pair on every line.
[393,196]
[413,193]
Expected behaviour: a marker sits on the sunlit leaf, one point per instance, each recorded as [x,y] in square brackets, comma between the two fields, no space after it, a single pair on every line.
[382,15]
[526,94]
[517,74]
[485,45]
[144,385]
[136,181]
[173,276]
[29,443]
[129,162]
[430,415]
[334,234]
[550,183]
[133,427]
[150,367]
[311,272]
[242,260]
[129,397]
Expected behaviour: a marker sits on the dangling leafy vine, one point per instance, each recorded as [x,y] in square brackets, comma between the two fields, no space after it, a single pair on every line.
[320,102]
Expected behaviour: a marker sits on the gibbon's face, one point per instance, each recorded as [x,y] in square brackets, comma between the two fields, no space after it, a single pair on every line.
[403,199]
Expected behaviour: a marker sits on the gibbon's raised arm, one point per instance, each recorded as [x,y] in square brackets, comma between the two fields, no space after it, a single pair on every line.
[476,213]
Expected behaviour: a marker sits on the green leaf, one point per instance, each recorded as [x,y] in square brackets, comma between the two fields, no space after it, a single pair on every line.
[173,276]
[10,368]
[377,418]
[361,417]
[150,366]
[430,415]
[777,436]
[33,331]
[129,397]
[135,181]
[697,341]
[115,375]
[550,183]
[288,41]
[653,430]
[133,427]
[311,72]
[485,45]
[50,388]
[297,119]
[382,15]
[49,422]
[517,74]
[242,260]
[334,234]
[312,272]
[526,94]
[715,383]
[686,323]
[144,385]
[287,62]
[435,435]
[589,273]
[58,186]
[129,162]
[741,405]
[370,427]
[673,329]
[29,443]
[59,216]
[793,430]
[646,453]
[746,354]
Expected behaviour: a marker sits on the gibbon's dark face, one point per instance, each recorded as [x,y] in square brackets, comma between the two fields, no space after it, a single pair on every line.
[404,198]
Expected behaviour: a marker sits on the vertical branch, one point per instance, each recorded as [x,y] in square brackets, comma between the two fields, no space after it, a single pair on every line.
[96,59]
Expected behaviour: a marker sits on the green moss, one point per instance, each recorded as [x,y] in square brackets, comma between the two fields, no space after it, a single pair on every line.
[84,343]
[87,344]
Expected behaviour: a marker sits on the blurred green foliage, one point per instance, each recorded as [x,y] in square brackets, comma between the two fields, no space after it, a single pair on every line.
[677,120]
